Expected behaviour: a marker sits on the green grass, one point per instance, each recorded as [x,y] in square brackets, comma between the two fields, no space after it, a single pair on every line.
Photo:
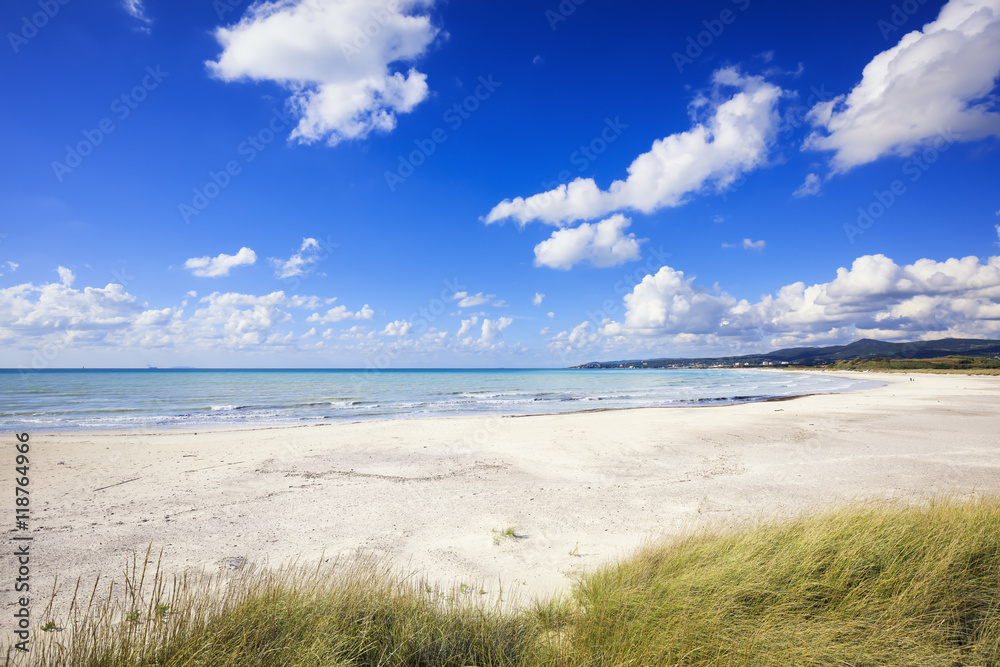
[954,363]
[510,533]
[870,584]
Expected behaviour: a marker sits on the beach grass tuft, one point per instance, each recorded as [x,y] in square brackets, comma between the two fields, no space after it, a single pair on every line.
[508,533]
[874,584]
[879,583]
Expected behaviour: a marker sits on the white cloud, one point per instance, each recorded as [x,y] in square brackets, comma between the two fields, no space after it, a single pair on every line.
[809,187]
[237,320]
[58,308]
[746,244]
[874,298]
[545,331]
[341,313]
[336,59]
[110,318]
[65,276]
[467,325]
[12,266]
[44,325]
[397,328]
[215,267]
[537,300]
[665,313]
[935,81]
[466,300]
[493,328]
[602,244]
[670,302]
[300,263]
[489,333]
[582,336]
[551,315]
[136,10]
[731,138]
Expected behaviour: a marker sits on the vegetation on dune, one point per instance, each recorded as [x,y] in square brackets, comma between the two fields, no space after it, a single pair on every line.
[978,365]
[872,584]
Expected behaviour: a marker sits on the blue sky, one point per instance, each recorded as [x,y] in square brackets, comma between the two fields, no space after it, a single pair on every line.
[409,183]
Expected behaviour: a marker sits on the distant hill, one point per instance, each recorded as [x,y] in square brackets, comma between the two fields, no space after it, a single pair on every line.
[865,348]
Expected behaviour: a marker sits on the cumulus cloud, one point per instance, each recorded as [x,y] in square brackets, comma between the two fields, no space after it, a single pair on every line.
[730,137]
[397,328]
[537,300]
[341,313]
[58,318]
[669,310]
[493,328]
[237,320]
[466,300]
[602,244]
[468,325]
[809,187]
[57,307]
[66,276]
[581,337]
[875,298]
[935,81]
[746,244]
[342,62]
[41,323]
[489,332]
[216,267]
[301,263]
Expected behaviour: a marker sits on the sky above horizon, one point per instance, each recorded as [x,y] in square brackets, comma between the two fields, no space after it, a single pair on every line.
[423,183]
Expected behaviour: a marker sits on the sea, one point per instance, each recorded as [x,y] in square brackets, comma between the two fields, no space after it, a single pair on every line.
[81,399]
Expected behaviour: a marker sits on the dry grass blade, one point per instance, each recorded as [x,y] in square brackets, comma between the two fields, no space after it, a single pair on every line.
[878,583]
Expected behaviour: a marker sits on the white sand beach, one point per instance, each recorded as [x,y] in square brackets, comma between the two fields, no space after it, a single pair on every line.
[579,489]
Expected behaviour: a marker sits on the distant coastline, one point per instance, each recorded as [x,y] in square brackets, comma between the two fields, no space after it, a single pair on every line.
[931,353]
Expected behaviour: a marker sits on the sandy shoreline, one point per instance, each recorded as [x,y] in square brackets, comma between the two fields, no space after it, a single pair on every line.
[429,493]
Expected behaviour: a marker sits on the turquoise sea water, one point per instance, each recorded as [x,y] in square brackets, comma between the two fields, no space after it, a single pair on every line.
[54,400]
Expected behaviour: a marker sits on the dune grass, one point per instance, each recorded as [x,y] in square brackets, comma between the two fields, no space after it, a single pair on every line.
[870,584]
[864,585]
[950,364]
